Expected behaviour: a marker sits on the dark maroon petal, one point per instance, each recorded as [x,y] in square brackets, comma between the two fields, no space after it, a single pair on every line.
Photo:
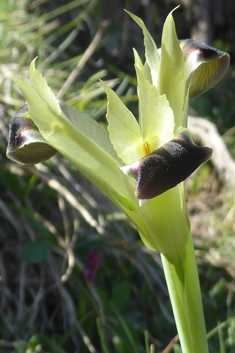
[26,145]
[205,65]
[167,166]
[17,127]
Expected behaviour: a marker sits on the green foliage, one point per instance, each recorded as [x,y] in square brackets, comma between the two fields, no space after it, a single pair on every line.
[32,346]
[51,218]
[34,251]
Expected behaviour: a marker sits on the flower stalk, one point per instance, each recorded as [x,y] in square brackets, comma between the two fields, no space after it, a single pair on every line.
[140,165]
[185,294]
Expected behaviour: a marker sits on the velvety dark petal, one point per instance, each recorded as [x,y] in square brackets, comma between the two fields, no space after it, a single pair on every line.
[205,65]
[26,145]
[167,166]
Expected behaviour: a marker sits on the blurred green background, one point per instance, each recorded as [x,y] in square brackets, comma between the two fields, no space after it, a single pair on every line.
[75,276]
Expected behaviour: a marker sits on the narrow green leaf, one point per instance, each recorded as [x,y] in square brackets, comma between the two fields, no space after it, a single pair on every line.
[101,335]
[126,329]
[146,339]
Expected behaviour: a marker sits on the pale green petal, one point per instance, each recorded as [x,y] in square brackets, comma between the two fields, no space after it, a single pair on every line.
[124,131]
[172,73]
[156,116]
[81,143]
[151,53]
[40,85]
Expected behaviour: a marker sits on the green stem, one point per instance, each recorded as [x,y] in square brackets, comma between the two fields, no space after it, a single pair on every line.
[184,289]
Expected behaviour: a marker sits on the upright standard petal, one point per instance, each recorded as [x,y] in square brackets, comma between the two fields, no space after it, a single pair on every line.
[172,71]
[124,130]
[156,117]
[151,52]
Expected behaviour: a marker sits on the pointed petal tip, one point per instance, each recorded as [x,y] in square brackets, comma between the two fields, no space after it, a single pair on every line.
[131,169]
[142,201]
[125,169]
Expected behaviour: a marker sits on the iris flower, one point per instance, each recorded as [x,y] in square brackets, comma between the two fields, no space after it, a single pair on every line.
[140,164]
